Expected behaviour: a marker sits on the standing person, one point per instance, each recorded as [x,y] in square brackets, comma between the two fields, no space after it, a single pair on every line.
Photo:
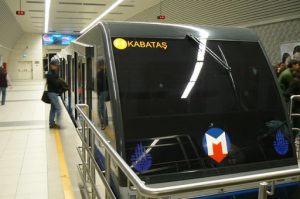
[286,58]
[294,89]
[53,85]
[296,53]
[102,93]
[4,83]
[286,76]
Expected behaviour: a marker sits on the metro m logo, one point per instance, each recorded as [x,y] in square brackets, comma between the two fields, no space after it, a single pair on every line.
[216,144]
[213,141]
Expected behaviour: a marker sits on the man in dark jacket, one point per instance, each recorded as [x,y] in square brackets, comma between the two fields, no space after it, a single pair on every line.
[53,93]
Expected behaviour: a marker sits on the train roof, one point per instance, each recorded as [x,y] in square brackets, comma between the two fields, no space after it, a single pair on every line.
[159,30]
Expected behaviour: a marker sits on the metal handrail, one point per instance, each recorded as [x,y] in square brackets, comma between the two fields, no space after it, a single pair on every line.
[291,114]
[292,99]
[147,191]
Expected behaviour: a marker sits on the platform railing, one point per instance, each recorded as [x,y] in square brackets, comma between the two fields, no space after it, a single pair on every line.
[89,167]
[88,133]
[292,115]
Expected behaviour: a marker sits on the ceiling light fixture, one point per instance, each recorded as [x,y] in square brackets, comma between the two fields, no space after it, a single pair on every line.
[1,46]
[102,15]
[47,11]
[81,44]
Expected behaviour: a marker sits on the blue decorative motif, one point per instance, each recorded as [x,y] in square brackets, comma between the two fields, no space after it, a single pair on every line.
[281,145]
[141,160]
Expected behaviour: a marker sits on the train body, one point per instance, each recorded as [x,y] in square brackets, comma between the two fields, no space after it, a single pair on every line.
[185,103]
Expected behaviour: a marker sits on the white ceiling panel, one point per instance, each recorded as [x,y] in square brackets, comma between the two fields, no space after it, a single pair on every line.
[243,13]
[73,15]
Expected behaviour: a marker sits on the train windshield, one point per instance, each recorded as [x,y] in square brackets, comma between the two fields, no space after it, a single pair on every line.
[184,112]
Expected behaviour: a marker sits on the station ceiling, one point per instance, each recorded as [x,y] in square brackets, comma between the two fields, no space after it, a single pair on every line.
[71,16]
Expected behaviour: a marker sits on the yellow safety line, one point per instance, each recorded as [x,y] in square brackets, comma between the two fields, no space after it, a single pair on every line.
[65,177]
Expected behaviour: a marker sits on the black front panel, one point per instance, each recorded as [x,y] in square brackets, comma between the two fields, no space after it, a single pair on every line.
[185,112]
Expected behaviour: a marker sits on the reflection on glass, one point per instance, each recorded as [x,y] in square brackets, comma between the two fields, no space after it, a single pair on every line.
[151,82]
[197,69]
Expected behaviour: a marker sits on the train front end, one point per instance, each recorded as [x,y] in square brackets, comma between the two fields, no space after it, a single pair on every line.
[194,104]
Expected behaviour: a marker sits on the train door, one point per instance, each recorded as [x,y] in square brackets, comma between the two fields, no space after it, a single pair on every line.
[74,82]
[81,81]
[68,80]
[63,75]
[73,86]
[89,78]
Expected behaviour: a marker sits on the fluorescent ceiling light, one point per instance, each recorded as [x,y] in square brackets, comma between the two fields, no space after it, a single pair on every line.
[81,44]
[101,16]
[47,11]
[1,46]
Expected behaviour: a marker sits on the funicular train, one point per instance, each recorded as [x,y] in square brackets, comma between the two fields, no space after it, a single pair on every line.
[196,102]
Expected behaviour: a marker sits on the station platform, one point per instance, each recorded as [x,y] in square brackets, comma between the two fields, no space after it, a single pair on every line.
[36,162]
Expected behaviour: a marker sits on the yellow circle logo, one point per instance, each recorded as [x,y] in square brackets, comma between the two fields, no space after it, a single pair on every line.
[120,43]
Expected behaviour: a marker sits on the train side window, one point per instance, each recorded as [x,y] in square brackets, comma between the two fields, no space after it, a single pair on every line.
[104,111]
[100,105]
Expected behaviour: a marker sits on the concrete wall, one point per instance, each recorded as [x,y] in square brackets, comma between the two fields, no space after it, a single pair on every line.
[27,49]
[15,45]
[10,31]
[274,34]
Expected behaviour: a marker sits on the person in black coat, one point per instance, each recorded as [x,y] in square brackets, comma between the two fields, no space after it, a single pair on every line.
[54,88]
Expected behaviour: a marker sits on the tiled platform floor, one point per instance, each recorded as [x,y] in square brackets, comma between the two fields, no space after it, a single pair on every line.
[29,167]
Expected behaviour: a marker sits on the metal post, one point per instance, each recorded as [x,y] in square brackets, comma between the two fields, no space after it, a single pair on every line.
[262,190]
[107,171]
[291,108]
[87,140]
[84,151]
[92,165]
[297,144]
[139,196]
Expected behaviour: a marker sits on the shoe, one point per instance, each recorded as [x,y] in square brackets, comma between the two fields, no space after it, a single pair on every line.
[54,126]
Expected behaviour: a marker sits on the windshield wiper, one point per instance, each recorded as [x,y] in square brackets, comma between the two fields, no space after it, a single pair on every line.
[223,62]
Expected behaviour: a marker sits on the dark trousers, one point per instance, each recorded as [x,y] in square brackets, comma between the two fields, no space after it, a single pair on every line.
[3,92]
